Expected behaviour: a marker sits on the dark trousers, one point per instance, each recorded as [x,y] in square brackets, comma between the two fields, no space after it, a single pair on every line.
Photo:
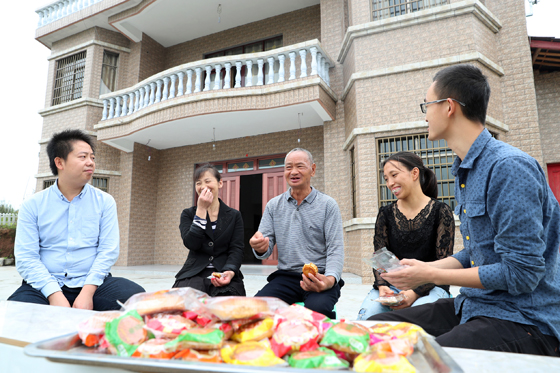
[479,333]
[104,299]
[285,285]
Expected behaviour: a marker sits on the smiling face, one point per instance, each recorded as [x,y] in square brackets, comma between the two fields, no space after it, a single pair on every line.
[209,181]
[298,170]
[77,169]
[436,115]
[399,180]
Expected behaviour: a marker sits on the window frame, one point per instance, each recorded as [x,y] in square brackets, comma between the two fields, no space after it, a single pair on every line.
[69,78]
[95,180]
[114,68]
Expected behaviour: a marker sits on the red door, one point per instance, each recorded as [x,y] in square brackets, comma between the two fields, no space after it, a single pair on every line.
[554,179]
[230,191]
[273,185]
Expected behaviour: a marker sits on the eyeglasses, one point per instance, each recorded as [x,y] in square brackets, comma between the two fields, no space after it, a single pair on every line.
[424,104]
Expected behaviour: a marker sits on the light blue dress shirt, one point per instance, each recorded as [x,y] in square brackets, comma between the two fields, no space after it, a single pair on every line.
[59,242]
[510,223]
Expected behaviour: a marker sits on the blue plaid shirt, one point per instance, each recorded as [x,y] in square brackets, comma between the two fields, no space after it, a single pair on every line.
[510,223]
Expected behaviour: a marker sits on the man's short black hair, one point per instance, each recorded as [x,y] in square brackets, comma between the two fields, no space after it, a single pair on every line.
[467,84]
[60,145]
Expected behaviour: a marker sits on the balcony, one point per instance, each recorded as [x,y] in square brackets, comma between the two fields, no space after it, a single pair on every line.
[242,95]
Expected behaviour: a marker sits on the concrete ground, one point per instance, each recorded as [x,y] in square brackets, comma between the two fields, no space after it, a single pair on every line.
[159,277]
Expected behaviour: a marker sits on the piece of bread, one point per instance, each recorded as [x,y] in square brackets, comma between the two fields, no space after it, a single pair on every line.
[160,302]
[231,308]
[310,268]
[217,274]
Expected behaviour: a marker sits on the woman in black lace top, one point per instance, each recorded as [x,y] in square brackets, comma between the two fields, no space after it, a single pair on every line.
[417,226]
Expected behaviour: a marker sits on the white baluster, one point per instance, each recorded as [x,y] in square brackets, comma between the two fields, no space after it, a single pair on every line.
[158,93]
[105,103]
[118,107]
[64,10]
[180,84]
[51,14]
[146,95]
[218,78]
[172,87]
[270,70]
[40,13]
[237,74]
[320,64]
[207,80]
[74,6]
[302,54]
[249,76]
[281,59]
[198,81]
[313,60]
[165,94]
[111,108]
[124,110]
[80,4]
[188,89]
[55,11]
[59,11]
[137,100]
[68,7]
[131,107]
[326,70]
[260,76]
[292,56]
[227,78]
[152,93]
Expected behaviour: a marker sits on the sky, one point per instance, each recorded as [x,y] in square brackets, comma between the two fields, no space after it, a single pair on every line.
[25,80]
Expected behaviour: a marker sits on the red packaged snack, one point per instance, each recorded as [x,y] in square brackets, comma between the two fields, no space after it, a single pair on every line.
[294,335]
[154,349]
[125,333]
[91,330]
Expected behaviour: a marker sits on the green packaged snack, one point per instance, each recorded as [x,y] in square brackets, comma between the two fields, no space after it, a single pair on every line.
[347,337]
[199,339]
[125,333]
[321,358]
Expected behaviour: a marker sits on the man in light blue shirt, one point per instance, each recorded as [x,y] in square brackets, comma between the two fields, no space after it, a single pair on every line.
[67,236]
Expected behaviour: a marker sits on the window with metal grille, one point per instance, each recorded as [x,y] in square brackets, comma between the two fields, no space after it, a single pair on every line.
[435,154]
[69,78]
[48,183]
[353,176]
[382,9]
[101,183]
[108,72]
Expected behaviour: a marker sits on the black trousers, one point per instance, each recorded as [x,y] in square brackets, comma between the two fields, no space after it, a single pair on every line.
[104,299]
[479,333]
[285,285]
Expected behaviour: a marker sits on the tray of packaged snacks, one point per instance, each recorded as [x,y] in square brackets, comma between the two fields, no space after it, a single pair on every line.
[184,330]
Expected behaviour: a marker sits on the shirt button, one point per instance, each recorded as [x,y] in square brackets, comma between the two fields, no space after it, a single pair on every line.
[464,211]
[211,258]
[472,262]
[468,238]
[462,185]
[210,243]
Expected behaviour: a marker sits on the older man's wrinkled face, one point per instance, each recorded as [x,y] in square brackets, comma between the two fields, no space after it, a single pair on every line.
[298,170]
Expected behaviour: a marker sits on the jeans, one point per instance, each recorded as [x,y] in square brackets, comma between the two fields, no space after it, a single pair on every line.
[370,307]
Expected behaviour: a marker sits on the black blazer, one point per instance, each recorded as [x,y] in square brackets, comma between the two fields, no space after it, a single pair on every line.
[223,246]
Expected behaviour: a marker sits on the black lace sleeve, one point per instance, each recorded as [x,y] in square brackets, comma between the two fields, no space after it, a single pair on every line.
[380,240]
[444,241]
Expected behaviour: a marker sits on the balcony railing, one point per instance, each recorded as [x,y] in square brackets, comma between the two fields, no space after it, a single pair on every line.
[61,8]
[206,76]
[382,9]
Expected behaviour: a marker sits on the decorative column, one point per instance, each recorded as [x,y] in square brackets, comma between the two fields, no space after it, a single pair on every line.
[237,74]
[249,76]
[320,63]
[67,8]
[227,78]
[260,76]
[326,72]
[189,82]
[111,108]
[313,60]
[207,80]
[158,92]
[55,12]
[146,95]
[52,16]
[270,70]
[218,78]
[105,103]
[172,87]
[74,6]
[302,54]
[281,59]
[131,107]
[181,75]
[165,94]
[59,11]
[124,110]
[118,107]
[198,81]
[292,56]
[138,103]
[40,13]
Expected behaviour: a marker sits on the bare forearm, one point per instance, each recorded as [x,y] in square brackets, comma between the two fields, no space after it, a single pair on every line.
[467,277]
[446,263]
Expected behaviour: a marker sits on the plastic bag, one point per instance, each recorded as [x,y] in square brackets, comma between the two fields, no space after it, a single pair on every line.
[294,335]
[250,353]
[384,261]
[91,330]
[392,300]
[231,308]
[163,325]
[173,300]
[321,358]
[382,362]
[154,349]
[125,333]
[347,337]
[254,331]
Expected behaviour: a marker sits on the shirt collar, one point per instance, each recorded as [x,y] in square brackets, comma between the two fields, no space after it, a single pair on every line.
[61,196]
[309,199]
[474,151]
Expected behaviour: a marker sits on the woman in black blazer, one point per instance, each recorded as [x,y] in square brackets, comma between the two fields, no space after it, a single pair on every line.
[213,233]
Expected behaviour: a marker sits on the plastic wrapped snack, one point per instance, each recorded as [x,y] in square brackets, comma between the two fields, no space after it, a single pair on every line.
[231,308]
[347,337]
[125,333]
[163,325]
[407,331]
[154,349]
[208,356]
[384,261]
[91,330]
[254,331]
[375,337]
[298,312]
[294,335]
[400,346]
[322,358]
[173,300]
[382,362]
[250,353]
[199,339]
[392,300]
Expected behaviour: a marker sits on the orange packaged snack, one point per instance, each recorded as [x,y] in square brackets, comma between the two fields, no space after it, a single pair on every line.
[294,335]
[125,333]
[382,362]
[91,330]
[154,349]
[250,353]
[207,356]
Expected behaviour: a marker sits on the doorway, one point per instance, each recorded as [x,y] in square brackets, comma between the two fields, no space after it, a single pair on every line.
[554,179]
[250,206]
